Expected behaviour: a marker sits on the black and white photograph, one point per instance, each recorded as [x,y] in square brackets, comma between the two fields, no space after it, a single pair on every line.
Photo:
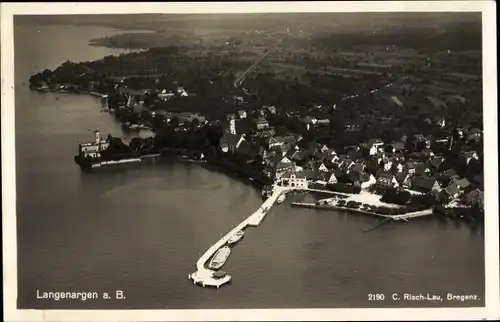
[249,161]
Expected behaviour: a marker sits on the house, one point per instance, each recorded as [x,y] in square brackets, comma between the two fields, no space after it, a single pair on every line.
[272,159]
[387,164]
[181,91]
[474,135]
[378,158]
[427,153]
[271,109]
[262,123]
[396,147]
[436,162]
[294,179]
[373,146]
[409,167]
[367,180]
[165,96]
[242,114]
[462,183]
[263,152]
[321,176]
[324,149]
[228,141]
[448,175]
[386,180]
[318,155]
[283,167]
[404,180]
[332,178]
[397,167]
[469,155]
[375,142]
[309,120]
[425,184]
[475,197]
[285,147]
[275,142]
[335,159]
[345,162]
[246,149]
[421,169]
[299,155]
[450,192]
[323,168]
[322,121]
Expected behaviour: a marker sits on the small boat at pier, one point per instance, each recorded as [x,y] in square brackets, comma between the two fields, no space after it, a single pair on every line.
[236,237]
[281,198]
[220,258]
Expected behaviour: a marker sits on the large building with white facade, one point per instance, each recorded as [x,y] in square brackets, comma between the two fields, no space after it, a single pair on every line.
[93,149]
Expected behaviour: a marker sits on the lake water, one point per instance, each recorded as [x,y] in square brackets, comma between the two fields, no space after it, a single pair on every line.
[142,229]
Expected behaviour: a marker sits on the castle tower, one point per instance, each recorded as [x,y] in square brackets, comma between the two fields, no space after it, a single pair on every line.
[97,136]
[232,126]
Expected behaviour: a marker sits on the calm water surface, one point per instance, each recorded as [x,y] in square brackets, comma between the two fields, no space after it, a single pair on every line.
[142,229]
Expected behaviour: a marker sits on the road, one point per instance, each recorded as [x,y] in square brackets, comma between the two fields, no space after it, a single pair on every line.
[240,79]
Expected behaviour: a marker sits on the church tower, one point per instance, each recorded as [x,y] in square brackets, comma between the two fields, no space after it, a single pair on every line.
[97,136]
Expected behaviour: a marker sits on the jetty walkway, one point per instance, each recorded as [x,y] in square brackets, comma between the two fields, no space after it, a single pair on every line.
[208,277]
[204,275]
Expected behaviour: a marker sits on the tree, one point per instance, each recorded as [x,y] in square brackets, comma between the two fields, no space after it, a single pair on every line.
[174,121]
[195,123]
[135,144]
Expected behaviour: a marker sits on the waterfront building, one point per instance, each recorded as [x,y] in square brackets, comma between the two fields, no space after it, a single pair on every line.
[386,180]
[93,149]
[367,180]
[294,179]
[425,184]
[404,179]
[450,192]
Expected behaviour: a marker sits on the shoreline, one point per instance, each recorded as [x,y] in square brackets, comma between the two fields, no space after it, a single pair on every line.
[405,216]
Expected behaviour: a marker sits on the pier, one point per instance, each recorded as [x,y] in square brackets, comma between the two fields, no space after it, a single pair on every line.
[207,277]
[404,217]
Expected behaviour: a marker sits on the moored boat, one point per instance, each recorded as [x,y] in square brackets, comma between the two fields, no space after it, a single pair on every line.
[236,237]
[220,258]
[281,198]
